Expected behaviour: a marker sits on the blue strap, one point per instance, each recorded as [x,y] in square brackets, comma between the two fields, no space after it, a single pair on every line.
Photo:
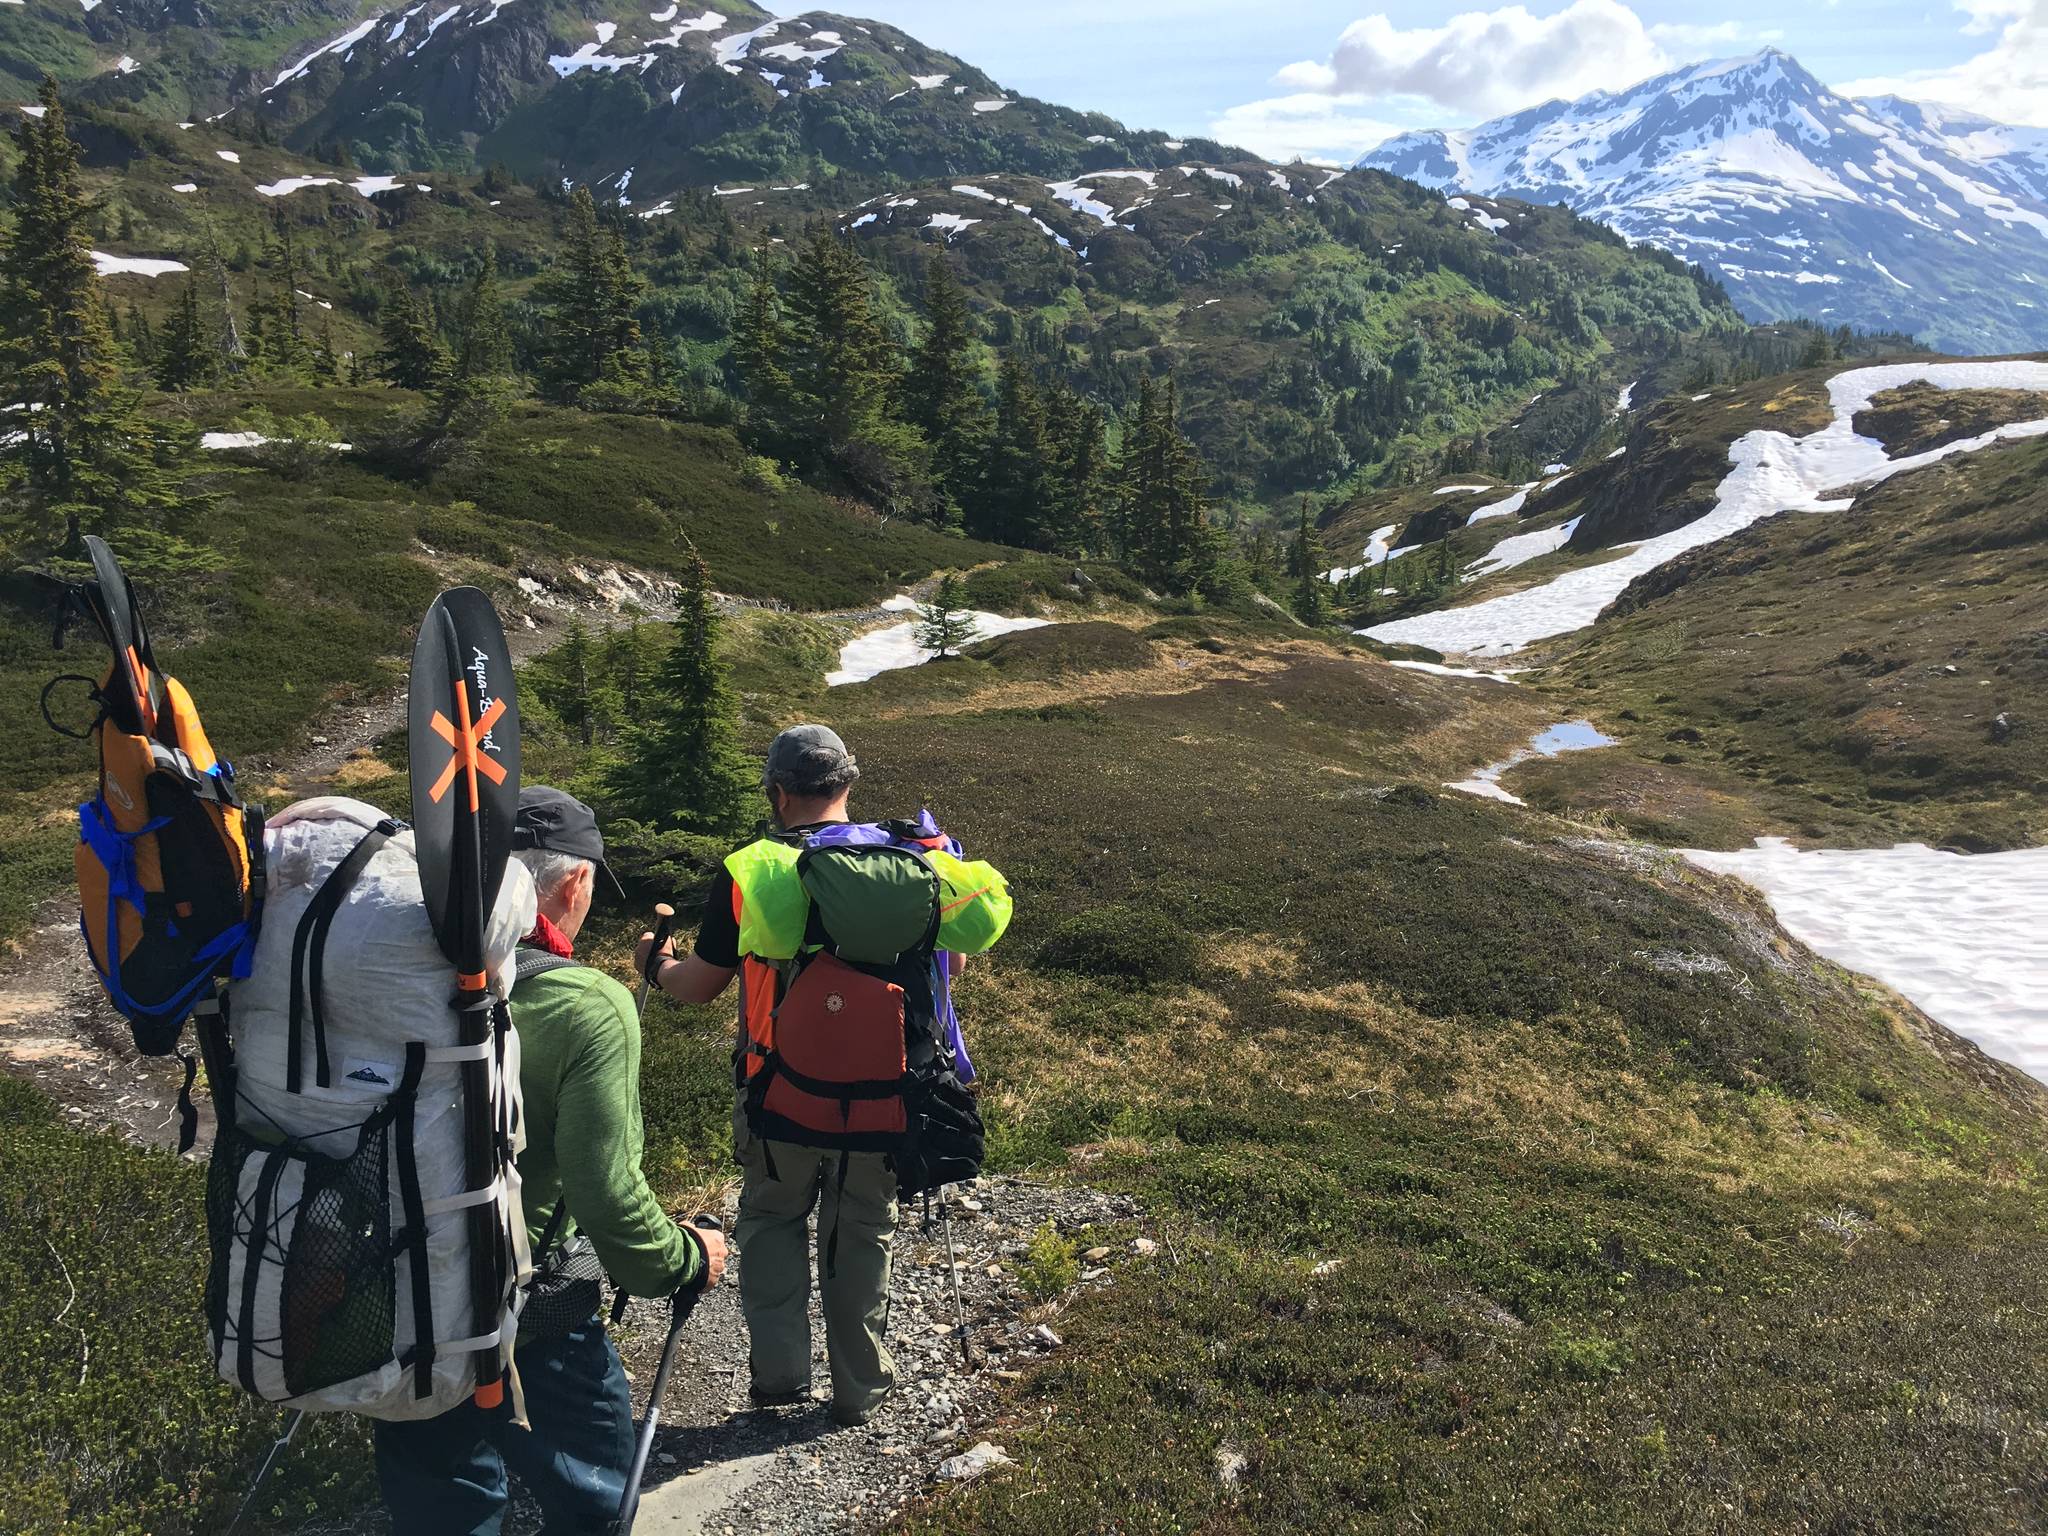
[115,850]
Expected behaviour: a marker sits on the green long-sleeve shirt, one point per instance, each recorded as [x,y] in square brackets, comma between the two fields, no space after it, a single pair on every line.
[579,1074]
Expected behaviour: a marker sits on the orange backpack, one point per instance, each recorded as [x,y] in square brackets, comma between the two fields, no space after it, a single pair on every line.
[170,861]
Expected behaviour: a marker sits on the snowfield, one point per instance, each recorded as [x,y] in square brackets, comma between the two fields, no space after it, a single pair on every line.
[1772,473]
[887,650]
[138,266]
[1521,548]
[1962,935]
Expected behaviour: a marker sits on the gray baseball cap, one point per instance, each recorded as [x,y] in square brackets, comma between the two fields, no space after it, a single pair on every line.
[806,754]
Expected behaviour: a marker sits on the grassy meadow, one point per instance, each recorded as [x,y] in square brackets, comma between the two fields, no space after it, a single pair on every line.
[1514,1179]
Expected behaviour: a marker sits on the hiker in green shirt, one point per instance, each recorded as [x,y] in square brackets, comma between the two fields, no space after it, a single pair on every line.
[588,1206]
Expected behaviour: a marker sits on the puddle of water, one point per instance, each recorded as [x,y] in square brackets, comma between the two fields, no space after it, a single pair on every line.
[1565,736]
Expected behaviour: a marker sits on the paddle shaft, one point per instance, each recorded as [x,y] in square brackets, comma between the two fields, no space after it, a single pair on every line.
[664,920]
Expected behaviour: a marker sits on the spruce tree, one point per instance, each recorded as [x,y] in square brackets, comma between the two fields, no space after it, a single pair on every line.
[186,359]
[1079,455]
[943,624]
[840,358]
[1016,493]
[593,299]
[625,357]
[943,393]
[759,345]
[571,680]
[686,771]
[626,663]
[1190,553]
[325,364]
[142,339]
[843,383]
[1134,536]
[483,348]
[82,455]
[283,347]
[1163,529]
[411,356]
[1311,591]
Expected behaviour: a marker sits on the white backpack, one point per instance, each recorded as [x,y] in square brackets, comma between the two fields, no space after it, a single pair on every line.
[346,1198]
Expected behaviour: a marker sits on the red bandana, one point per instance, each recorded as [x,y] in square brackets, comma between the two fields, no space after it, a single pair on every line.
[547,936]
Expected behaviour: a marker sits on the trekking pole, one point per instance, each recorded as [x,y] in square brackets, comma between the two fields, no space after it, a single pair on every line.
[679,1315]
[664,918]
[277,1449]
[953,1274]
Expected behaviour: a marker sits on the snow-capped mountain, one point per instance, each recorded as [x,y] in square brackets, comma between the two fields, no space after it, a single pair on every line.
[1880,213]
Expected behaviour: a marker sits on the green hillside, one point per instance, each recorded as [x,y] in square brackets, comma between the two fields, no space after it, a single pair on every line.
[1338,333]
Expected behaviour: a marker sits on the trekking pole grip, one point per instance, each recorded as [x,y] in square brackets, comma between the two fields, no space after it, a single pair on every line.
[664,921]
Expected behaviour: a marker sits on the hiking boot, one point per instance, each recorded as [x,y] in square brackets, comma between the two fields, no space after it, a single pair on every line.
[846,1416]
[778,1397]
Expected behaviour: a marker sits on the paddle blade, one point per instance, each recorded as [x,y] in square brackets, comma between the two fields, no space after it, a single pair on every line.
[134,694]
[463,719]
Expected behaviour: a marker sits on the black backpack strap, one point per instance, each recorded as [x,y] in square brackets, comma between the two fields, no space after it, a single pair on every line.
[309,941]
[551,1232]
[412,1241]
[532,962]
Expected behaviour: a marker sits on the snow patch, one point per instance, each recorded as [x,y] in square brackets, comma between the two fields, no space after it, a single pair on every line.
[1438,669]
[1959,934]
[1507,506]
[1771,473]
[888,650]
[341,44]
[1521,549]
[135,266]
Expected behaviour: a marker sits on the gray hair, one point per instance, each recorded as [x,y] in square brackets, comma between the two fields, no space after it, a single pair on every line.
[550,870]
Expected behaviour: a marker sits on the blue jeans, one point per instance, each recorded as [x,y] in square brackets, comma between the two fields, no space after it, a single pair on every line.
[447,1476]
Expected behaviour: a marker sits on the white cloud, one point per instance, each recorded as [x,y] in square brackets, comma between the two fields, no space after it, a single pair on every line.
[2008,81]
[1333,129]
[1692,34]
[1483,63]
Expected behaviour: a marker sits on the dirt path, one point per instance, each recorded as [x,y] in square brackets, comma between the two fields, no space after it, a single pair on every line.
[722,1465]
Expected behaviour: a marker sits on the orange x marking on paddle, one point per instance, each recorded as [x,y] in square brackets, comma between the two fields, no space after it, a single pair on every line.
[468,758]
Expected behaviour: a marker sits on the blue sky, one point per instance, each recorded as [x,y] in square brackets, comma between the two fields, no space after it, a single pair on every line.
[1327,78]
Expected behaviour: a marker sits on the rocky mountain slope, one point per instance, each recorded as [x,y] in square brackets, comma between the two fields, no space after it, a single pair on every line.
[1884,214]
[642,100]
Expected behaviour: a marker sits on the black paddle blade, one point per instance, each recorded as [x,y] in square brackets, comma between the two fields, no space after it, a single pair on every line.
[133,693]
[464,725]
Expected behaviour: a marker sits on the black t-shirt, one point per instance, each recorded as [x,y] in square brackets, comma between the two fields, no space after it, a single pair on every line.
[718,935]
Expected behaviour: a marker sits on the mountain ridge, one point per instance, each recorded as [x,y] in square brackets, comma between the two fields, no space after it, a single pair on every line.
[1878,212]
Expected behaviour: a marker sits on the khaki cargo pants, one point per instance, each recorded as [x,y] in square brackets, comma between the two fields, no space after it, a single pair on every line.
[775,1266]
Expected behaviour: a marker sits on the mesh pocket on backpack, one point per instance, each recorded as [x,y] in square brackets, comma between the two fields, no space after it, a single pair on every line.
[301,1292]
